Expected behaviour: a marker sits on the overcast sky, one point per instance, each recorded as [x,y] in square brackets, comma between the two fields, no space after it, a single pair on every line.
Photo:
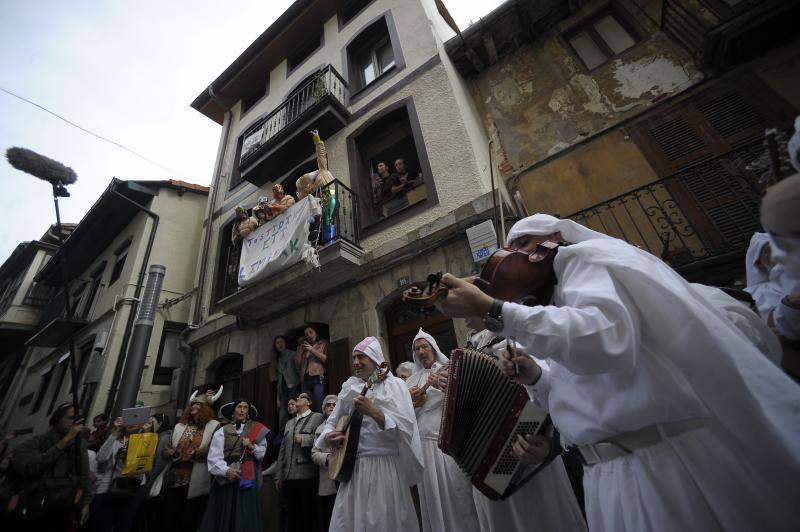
[127,71]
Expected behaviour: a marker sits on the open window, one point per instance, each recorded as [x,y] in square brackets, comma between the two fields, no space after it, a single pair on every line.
[390,166]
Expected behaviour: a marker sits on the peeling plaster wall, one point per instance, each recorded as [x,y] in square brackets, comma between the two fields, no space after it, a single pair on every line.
[607,166]
[542,100]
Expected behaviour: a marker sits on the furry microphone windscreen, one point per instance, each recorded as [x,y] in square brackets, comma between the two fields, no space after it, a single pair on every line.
[40,166]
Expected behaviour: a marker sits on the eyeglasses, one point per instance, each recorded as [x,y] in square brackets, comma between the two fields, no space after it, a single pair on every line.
[330,404]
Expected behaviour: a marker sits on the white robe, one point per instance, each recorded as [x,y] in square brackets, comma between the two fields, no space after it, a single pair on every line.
[630,345]
[547,499]
[388,463]
[445,493]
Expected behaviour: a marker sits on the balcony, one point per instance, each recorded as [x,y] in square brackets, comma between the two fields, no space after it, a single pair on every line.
[278,142]
[722,35]
[699,220]
[336,237]
[55,325]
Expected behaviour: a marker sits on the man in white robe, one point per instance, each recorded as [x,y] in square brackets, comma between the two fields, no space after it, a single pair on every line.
[547,499]
[682,424]
[389,458]
[445,493]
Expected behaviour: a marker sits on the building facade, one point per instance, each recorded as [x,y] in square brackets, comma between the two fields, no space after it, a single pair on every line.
[134,224]
[374,79]
[644,119]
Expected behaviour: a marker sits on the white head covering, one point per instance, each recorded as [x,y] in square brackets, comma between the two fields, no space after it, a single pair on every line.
[544,224]
[755,274]
[371,347]
[793,146]
[422,335]
[410,366]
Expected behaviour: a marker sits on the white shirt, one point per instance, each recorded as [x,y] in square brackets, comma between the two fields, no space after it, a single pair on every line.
[216,452]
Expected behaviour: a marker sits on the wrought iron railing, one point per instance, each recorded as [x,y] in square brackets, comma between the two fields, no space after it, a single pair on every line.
[324,85]
[339,221]
[39,295]
[705,212]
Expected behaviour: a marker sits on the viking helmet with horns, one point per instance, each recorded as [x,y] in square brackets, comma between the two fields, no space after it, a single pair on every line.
[206,398]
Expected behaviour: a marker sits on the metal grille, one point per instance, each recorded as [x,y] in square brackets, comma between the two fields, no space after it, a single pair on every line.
[731,114]
[677,139]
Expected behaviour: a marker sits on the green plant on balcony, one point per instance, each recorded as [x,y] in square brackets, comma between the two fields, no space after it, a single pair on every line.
[319,90]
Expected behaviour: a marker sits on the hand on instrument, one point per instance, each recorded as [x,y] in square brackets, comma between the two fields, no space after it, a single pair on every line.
[417,396]
[519,366]
[439,379]
[366,407]
[463,299]
[531,449]
[335,438]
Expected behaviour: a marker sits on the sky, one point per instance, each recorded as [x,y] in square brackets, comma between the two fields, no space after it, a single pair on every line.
[127,71]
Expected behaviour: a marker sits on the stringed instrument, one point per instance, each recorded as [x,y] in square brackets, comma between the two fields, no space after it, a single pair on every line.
[342,461]
[510,274]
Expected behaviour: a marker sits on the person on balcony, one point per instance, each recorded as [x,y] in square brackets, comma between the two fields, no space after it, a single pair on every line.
[312,181]
[661,392]
[312,358]
[280,201]
[244,224]
[262,212]
[288,378]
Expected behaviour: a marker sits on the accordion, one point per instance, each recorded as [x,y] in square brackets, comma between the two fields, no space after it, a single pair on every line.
[483,413]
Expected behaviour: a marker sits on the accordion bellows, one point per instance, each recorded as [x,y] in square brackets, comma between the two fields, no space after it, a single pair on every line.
[483,413]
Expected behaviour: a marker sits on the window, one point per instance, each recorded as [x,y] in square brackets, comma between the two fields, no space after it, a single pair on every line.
[46,377]
[227,278]
[351,9]
[94,287]
[236,174]
[61,370]
[303,52]
[9,290]
[404,181]
[601,38]
[370,55]
[258,90]
[121,254]
[169,354]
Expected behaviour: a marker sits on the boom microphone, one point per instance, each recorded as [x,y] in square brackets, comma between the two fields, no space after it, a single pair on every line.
[40,166]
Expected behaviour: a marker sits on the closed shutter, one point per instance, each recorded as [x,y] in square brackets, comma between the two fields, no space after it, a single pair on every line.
[698,142]
[339,365]
[256,386]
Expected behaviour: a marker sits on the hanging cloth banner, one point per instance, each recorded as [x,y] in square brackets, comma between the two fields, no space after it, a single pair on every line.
[278,244]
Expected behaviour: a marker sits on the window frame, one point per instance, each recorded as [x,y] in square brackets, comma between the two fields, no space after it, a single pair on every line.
[96,280]
[586,24]
[362,184]
[345,21]
[159,371]
[46,377]
[357,45]
[292,67]
[123,250]
[246,105]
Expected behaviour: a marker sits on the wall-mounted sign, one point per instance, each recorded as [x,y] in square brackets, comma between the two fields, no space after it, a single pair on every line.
[482,240]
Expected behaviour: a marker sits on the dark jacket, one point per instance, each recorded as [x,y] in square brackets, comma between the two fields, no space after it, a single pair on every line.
[39,458]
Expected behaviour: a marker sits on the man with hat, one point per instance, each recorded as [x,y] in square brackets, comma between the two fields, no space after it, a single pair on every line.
[234,460]
[297,474]
[389,459]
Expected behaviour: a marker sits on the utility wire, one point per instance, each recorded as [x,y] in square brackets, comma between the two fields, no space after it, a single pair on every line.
[70,122]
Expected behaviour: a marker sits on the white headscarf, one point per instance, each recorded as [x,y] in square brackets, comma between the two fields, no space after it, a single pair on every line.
[440,357]
[410,366]
[764,287]
[544,224]
[723,366]
[371,347]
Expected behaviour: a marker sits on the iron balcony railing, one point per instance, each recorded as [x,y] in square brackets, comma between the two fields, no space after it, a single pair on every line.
[339,221]
[325,85]
[705,212]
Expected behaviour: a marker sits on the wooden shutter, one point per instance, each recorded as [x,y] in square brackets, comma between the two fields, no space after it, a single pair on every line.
[255,385]
[339,365]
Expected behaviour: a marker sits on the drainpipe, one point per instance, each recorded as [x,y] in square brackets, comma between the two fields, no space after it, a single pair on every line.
[142,331]
[112,392]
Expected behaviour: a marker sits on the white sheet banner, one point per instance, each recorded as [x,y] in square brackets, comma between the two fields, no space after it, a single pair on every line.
[276,245]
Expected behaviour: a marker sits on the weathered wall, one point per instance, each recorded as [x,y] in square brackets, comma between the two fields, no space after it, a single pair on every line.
[542,100]
[602,168]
